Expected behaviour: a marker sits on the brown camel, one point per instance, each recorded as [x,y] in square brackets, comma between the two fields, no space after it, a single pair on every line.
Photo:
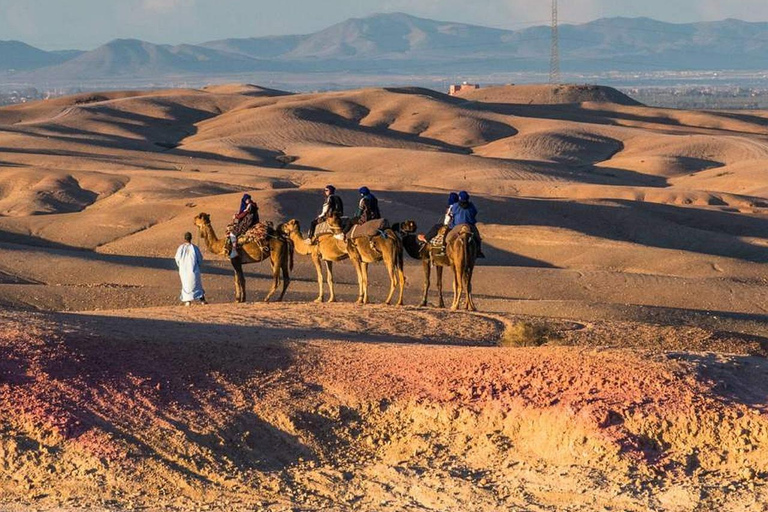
[429,259]
[326,249]
[366,250]
[462,249]
[280,255]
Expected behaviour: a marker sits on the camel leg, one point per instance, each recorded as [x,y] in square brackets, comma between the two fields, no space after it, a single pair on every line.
[274,260]
[468,288]
[364,275]
[329,278]
[319,269]
[392,276]
[285,267]
[401,278]
[427,271]
[359,271]
[439,276]
[239,280]
[456,287]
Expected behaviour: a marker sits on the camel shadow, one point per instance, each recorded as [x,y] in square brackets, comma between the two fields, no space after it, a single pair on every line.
[21,242]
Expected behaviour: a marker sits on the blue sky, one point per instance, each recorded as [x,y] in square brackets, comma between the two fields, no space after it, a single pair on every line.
[85,24]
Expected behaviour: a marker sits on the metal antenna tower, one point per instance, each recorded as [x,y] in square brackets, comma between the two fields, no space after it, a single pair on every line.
[554,58]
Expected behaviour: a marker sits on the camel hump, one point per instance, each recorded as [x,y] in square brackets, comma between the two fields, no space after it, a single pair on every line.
[459,230]
[369,229]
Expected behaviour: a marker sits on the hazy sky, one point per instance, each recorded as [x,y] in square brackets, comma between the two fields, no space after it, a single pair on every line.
[85,24]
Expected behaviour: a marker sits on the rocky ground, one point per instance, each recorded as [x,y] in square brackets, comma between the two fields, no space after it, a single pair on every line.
[299,407]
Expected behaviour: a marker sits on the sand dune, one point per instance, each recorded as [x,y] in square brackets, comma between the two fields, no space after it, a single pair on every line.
[609,223]
[542,95]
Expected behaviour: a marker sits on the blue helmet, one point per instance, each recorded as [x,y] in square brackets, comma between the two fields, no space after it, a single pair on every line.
[453,198]
[463,196]
[364,191]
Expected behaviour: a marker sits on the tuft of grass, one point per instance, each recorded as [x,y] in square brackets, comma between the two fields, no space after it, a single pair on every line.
[527,334]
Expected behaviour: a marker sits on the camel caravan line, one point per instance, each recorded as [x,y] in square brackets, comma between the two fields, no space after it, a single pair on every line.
[372,242]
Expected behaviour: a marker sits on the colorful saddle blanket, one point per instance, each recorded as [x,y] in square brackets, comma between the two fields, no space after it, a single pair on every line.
[258,234]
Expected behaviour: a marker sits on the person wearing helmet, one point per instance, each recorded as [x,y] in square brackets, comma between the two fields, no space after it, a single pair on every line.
[465,212]
[332,207]
[453,198]
[368,208]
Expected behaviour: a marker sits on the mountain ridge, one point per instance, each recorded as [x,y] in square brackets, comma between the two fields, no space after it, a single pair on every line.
[398,43]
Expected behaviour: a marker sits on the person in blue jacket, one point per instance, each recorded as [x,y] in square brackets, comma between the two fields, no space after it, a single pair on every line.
[465,212]
[368,209]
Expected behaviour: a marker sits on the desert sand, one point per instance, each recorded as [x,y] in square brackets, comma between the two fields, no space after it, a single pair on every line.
[633,239]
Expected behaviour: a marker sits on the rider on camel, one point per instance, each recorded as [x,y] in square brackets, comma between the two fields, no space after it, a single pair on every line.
[465,212]
[368,209]
[332,207]
[243,220]
[453,198]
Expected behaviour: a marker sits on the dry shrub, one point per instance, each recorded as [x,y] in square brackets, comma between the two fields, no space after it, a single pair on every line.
[527,334]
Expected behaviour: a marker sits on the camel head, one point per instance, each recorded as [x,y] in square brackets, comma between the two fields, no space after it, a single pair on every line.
[202,220]
[292,226]
[408,227]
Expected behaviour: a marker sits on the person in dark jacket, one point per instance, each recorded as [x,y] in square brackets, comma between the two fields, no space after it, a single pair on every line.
[453,198]
[332,207]
[368,209]
[465,212]
[246,217]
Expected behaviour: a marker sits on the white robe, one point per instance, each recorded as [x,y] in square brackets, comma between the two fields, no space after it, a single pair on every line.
[188,259]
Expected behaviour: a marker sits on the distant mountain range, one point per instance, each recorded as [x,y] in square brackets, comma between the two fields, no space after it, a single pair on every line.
[402,44]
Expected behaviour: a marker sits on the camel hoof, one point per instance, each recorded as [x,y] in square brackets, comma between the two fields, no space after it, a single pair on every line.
[423,304]
[333,299]
[318,300]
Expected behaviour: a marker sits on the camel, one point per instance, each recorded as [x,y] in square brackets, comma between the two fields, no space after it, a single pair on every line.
[407,232]
[460,254]
[326,249]
[280,255]
[462,249]
[366,250]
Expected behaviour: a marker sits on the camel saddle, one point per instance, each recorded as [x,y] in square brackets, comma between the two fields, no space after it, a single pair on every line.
[437,244]
[369,229]
[324,228]
[257,234]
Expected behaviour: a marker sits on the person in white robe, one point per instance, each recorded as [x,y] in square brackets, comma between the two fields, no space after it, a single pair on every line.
[189,260]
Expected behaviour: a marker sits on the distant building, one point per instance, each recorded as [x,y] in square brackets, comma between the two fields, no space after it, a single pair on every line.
[464,86]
